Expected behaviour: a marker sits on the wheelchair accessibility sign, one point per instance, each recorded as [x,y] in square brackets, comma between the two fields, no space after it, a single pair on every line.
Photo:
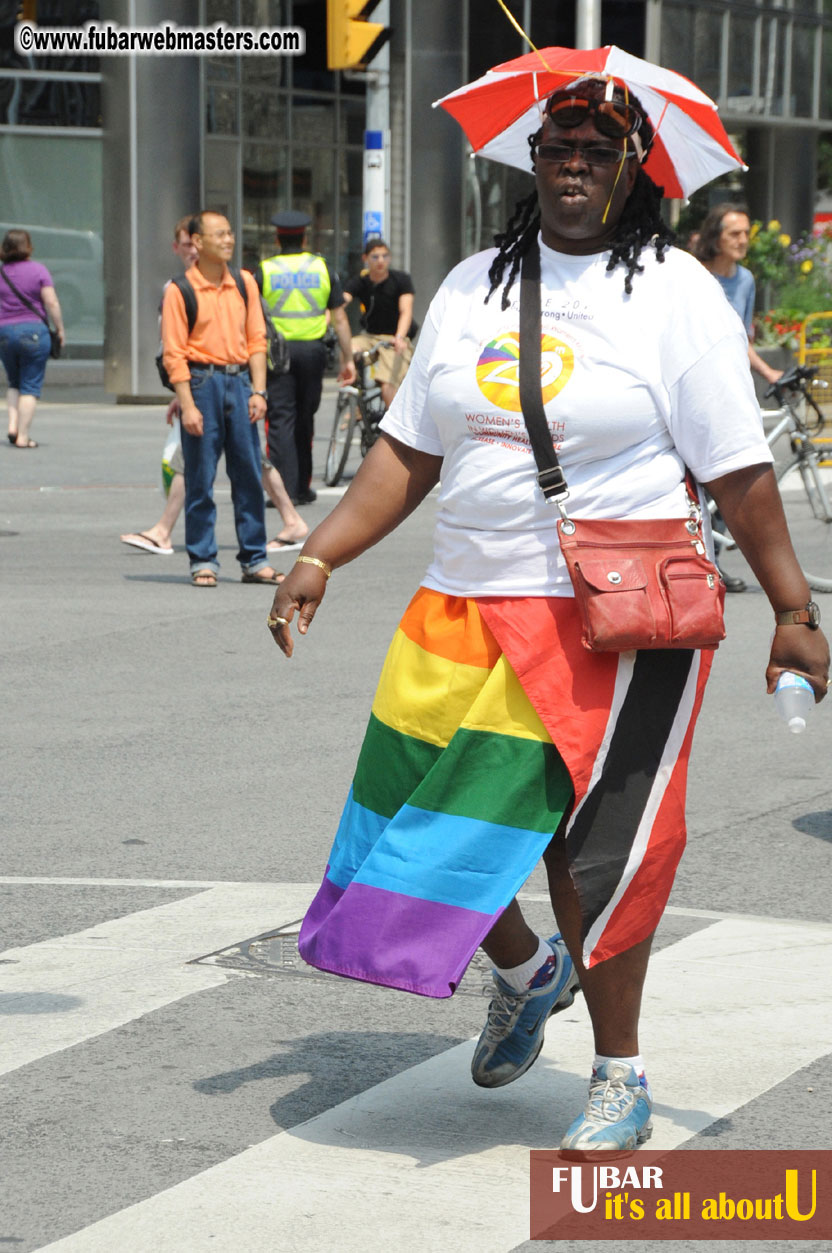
[372,223]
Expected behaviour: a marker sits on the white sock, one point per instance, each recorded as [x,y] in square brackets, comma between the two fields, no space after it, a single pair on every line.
[636,1062]
[521,977]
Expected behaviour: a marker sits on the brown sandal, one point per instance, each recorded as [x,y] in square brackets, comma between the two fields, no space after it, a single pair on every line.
[203,578]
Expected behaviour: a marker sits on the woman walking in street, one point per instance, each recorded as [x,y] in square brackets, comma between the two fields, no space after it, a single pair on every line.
[27,296]
[496,738]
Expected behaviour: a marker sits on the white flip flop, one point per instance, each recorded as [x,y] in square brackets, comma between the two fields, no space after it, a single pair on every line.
[284,545]
[146,544]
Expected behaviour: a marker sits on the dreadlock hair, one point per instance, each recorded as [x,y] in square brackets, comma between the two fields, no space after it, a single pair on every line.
[640,224]
[516,239]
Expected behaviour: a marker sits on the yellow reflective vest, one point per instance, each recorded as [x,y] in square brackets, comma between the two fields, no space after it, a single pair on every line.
[296,288]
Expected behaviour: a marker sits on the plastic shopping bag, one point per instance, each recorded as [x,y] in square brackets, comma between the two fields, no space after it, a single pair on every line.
[169,453]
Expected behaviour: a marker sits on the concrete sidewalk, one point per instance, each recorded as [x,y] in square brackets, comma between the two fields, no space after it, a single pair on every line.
[142,703]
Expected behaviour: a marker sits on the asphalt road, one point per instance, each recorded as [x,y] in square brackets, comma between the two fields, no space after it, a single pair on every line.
[171,786]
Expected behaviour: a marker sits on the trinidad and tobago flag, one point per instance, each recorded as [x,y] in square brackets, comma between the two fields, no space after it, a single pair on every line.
[491,723]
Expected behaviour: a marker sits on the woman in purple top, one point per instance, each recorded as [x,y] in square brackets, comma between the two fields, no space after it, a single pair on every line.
[24,334]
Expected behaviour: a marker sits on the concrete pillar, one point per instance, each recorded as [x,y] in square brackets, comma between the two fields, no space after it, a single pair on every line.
[376,190]
[795,181]
[653,31]
[151,155]
[428,35]
[782,176]
[588,24]
[759,181]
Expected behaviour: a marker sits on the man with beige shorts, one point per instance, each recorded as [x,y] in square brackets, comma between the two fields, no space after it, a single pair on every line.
[386,299]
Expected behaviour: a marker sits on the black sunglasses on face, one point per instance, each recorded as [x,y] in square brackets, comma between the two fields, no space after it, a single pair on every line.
[592,156]
[613,118]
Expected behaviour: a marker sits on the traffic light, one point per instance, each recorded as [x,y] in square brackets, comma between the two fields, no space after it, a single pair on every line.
[349,36]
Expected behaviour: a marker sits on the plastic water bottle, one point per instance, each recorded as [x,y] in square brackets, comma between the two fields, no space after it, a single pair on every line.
[793,698]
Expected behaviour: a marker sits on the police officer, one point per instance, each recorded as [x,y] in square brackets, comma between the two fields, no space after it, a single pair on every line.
[298,287]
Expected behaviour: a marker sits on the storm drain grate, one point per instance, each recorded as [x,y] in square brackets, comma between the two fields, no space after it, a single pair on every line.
[276,953]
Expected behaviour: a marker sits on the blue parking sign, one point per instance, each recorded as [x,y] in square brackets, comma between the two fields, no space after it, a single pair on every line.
[372,224]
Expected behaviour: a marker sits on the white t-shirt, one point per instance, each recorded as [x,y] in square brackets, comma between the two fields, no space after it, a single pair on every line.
[634,388]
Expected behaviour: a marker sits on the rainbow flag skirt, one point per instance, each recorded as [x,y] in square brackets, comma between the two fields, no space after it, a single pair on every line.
[459,787]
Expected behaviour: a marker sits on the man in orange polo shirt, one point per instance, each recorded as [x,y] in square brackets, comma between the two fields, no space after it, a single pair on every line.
[219,372]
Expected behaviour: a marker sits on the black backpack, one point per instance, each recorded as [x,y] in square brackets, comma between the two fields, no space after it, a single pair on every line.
[277,350]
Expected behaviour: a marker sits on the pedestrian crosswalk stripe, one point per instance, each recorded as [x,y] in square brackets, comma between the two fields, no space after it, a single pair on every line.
[62,991]
[426,1159]
[76,881]
[536,897]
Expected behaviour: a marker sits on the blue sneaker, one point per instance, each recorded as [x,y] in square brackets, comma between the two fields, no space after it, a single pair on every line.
[617,1114]
[513,1033]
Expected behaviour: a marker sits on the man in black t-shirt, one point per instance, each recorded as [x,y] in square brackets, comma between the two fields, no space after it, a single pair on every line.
[386,298]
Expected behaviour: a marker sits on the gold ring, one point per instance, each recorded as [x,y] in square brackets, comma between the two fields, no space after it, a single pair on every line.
[275,622]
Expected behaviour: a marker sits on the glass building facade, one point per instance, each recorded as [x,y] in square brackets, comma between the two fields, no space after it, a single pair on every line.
[50,165]
[757,60]
[766,63]
[283,132]
[275,132]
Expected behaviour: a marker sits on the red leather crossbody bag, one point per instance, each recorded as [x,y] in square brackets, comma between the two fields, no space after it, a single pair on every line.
[641,582]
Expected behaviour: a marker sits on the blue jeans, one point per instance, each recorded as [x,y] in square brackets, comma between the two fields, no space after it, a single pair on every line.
[222,399]
[24,351]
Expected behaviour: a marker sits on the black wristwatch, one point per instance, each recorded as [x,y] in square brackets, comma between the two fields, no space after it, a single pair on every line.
[796,617]
[263,394]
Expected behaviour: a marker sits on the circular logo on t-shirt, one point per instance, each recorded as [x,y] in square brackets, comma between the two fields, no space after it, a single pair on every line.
[498,369]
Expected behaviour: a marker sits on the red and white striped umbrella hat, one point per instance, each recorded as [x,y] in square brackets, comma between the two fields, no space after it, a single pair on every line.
[498,111]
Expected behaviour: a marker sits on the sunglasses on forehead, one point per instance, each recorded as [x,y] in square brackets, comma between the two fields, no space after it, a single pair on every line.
[614,118]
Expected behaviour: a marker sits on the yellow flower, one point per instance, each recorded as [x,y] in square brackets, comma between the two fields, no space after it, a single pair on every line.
[785,240]
[773,225]
[755,230]
[805,267]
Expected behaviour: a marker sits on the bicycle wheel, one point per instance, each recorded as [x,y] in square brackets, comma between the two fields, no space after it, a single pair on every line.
[805,489]
[346,415]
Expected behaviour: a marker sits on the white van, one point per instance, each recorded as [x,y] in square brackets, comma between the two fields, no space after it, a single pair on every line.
[75,259]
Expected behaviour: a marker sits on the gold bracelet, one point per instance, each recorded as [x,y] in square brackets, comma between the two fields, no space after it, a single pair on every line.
[315,561]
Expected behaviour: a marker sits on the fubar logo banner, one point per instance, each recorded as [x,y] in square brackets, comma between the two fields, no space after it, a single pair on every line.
[684,1194]
[498,369]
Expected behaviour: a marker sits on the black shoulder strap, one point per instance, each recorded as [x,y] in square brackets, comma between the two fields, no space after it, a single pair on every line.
[183,284]
[240,281]
[550,475]
[549,471]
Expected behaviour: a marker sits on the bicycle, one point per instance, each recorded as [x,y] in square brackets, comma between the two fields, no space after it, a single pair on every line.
[804,478]
[359,405]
